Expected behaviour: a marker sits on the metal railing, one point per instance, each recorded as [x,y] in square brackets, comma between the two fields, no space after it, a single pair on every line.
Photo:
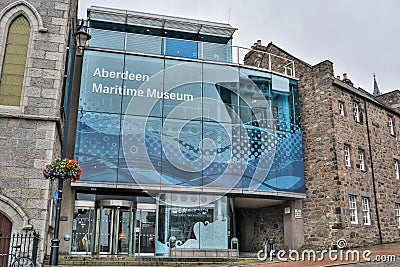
[202,51]
[18,246]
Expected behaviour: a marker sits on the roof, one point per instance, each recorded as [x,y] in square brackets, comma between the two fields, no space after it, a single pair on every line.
[162,22]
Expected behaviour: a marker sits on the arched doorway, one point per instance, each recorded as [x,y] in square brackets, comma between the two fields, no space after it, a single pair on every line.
[5,234]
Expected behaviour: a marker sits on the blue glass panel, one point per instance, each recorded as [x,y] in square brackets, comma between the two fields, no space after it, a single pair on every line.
[215,52]
[222,155]
[182,89]
[280,83]
[96,146]
[143,86]
[102,85]
[181,154]
[140,150]
[180,48]
[220,93]
[107,39]
[289,168]
[146,44]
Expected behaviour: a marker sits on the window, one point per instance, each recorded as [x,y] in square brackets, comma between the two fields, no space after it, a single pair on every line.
[347,155]
[397,208]
[356,112]
[365,210]
[396,169]
[16,49]
[341,108]
[361,164]
[353,209]
[391,125]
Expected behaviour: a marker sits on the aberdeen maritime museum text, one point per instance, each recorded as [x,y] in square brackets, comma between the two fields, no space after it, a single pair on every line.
[123,75]
[123,90]
[153,93]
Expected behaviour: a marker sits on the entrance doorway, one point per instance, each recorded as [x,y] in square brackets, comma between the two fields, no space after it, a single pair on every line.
[5,234]
[145,231]
[114,227]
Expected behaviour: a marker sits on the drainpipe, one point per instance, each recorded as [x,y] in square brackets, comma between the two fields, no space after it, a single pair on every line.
[373,173]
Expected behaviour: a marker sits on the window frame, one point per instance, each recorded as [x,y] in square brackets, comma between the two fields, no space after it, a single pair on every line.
[356,112]
[7,16]
[397,214]
[361,159]
[391,126]
[7,51]
[396,169]
[366,210]
[347,156]
[353,209]
[341,108]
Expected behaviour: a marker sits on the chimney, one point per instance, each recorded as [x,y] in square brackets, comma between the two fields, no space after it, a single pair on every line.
[259,42]
[338,77]
[344,76]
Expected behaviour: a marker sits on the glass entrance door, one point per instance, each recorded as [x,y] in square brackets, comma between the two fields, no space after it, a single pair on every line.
[106,230]
[124,231]
[145,232]
[114,229]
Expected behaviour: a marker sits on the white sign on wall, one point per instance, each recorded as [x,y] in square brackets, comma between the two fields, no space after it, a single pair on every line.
[297,214]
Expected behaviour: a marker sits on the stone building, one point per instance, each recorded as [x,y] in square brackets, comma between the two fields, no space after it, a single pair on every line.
[351,156]
[34,36]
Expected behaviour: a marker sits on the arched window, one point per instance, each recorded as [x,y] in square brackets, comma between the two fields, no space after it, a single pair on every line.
[13,70]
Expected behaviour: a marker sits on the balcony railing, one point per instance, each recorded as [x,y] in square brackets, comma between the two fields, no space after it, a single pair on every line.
[225,53]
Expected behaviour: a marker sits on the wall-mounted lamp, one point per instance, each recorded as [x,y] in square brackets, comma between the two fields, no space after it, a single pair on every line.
[81,36]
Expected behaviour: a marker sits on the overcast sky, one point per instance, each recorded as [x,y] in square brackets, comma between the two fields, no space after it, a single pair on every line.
[360,37]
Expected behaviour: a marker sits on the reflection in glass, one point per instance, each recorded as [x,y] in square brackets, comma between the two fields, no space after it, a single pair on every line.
[82,230]
[100,89]
[96,145]
[193,221]
[140,154]
[145,231]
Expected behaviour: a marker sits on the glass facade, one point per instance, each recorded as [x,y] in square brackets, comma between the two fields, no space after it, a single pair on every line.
[158,121]
[169,112]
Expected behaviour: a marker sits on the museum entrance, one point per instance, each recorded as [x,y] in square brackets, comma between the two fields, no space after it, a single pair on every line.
[114,227]
[145,229]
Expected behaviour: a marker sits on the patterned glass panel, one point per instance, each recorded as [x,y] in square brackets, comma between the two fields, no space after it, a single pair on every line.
[14,62]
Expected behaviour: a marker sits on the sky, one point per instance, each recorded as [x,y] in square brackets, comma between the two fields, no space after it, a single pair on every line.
[360,37]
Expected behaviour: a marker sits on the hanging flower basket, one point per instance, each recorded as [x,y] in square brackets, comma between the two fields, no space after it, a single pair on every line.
[64,169]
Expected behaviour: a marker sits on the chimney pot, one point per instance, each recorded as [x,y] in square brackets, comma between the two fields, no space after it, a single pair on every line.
[258,42]
[344,76]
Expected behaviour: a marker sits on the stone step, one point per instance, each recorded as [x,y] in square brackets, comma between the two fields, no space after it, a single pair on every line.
[144,261]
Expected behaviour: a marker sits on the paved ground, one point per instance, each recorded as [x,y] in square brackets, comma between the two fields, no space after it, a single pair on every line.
[387,255]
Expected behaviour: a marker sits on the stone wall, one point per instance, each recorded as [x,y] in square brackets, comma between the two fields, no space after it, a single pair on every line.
[352,180]
[390,99]
[329,183]
[261,225]
[32,133]
[385,148]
